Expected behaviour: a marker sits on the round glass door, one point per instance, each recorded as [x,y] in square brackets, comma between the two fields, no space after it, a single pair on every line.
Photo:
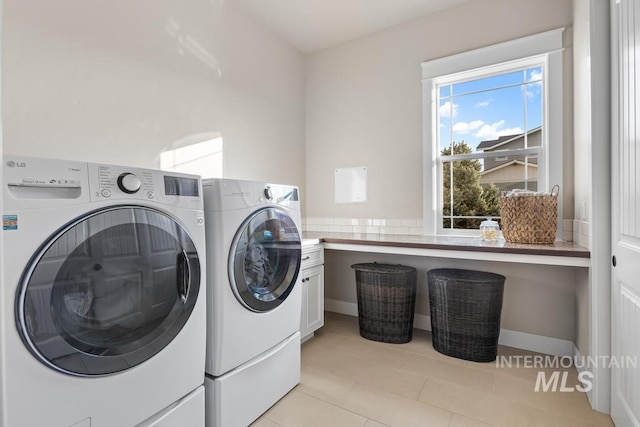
[108,291]
[265,259]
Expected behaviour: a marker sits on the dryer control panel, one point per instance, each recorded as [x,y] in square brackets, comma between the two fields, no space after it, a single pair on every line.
[231,194]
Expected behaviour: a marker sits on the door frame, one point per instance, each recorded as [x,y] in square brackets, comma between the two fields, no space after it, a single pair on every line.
[599,205]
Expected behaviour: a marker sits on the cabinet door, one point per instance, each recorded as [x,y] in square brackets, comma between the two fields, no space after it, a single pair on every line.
[312,300]
[312,256]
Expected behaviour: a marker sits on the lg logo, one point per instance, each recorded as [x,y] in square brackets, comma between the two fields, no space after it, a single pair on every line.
[13,164]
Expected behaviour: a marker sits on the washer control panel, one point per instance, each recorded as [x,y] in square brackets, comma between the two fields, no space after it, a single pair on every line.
[32,182]
[108,182]
[116,181]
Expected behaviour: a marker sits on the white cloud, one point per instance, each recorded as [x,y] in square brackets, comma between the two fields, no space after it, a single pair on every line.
[449,109]
[535,90]
[483,103]
[534,83]
[535,75]
[495,131]
[466,127]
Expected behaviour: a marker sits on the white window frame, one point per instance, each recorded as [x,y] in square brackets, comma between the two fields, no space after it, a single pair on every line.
[543,48]
[538,151]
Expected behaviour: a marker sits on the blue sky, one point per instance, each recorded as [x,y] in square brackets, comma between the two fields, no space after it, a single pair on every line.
[488,108]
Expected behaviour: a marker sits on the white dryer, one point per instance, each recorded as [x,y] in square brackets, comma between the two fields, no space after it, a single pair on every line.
[103,311]
[253,302]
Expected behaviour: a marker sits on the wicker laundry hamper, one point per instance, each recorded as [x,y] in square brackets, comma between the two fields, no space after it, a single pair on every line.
[386,301]
[465,312]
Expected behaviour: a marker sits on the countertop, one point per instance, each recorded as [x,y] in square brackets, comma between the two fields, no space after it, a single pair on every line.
[475,244]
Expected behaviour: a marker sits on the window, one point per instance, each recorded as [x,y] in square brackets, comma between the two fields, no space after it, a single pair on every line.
[490,136]
[492,123]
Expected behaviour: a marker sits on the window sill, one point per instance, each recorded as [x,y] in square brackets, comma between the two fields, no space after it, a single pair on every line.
[558,253]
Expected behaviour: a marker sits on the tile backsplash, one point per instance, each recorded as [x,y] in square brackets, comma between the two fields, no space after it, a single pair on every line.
[413,227]
[581,233]
[567,230]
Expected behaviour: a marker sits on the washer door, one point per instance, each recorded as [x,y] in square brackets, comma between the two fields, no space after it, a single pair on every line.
[108,291]
[265,259]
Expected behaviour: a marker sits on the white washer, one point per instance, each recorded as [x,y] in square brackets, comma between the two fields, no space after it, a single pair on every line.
[253,301]
[103,310]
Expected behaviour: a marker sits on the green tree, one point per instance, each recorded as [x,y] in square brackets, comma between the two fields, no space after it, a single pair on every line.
[469,197]
[491,197]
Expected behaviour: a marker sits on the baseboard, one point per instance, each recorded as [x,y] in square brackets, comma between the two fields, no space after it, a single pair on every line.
[581,367]
[337,306]
[509,338]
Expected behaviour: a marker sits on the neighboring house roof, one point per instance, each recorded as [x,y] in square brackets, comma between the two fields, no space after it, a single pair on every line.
[504,165]
[488,144]
[494,143]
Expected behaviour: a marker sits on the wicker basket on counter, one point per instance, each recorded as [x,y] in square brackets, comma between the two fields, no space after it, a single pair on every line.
[529,217]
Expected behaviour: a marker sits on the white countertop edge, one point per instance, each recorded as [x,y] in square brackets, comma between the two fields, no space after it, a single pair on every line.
[309,242]
[456,254]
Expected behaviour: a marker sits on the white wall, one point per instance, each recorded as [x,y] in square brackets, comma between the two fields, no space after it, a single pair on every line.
[119,81]
[364,101]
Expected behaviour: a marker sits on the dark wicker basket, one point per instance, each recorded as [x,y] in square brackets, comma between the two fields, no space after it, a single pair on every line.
[386,301]
[465,312]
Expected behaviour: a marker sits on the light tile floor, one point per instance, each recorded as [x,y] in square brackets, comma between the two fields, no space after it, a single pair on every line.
[351,381]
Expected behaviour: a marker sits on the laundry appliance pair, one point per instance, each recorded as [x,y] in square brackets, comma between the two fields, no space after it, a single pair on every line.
[112,294]
[102,305]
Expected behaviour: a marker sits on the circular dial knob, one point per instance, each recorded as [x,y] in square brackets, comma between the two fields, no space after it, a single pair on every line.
[129,183]
[268,193]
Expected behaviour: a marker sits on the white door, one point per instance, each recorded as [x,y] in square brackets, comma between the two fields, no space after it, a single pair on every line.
[625,280]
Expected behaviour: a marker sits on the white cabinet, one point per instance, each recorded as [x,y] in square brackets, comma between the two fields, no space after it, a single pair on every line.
[312,281]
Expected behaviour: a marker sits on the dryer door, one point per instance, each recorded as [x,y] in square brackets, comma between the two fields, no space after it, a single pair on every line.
[108,291]
[265,259]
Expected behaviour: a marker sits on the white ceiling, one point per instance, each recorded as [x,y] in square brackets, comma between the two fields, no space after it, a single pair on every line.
[312,25]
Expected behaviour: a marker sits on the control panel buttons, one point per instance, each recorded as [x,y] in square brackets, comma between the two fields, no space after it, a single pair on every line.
[105,193]
[129,183]
[151,195]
